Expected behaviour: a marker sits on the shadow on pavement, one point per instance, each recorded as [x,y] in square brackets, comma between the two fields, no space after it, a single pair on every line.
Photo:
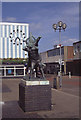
[11,109]
[5,88]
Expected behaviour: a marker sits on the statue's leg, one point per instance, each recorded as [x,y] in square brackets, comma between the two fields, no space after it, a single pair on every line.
[30,72]
[32,69]
[36,69]
[28,65]
[41,69]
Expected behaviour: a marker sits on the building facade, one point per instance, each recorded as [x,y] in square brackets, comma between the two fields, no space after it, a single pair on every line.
[77,50]
[7,48]
[12,70]
[74,65]
[52,58]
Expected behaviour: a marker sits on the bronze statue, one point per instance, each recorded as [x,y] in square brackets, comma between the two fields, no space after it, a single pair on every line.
[34,65]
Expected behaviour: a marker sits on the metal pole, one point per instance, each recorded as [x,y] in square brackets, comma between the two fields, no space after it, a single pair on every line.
[14,71]
[60,48]
[60,59]
[60,26]
[4,71]
[24,71]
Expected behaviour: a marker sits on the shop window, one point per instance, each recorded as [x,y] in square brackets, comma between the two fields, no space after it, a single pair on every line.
[9,71]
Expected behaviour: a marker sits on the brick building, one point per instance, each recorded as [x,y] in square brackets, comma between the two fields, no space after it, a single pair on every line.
[74,65]
[51,58]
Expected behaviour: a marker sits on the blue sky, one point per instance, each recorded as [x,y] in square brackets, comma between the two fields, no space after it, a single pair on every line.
[41,16]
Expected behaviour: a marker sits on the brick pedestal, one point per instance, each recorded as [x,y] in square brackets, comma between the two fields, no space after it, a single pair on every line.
[34,97]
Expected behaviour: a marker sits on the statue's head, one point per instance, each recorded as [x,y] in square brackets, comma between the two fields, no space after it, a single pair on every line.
[30,38]
[40,37]
[32,42]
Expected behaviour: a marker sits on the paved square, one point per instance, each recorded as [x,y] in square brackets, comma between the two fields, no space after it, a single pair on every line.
[65,102]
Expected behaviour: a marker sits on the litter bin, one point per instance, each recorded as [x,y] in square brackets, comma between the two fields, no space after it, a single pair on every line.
[56,82]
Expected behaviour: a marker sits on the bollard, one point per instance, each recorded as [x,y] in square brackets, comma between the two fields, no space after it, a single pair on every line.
[69,74]
[56,82]
[59,74]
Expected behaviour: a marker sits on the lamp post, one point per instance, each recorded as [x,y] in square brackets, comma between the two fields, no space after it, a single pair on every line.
[60,26]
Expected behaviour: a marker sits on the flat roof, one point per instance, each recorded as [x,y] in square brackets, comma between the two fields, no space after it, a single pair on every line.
[54,49]
[10,65]
[77,42]
[7,23]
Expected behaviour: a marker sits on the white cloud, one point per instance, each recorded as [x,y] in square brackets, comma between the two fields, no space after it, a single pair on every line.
[70,41]
[12,19]
[66,42]
[36,26]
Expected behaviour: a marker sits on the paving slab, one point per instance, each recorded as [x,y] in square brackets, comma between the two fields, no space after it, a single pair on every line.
[64,104]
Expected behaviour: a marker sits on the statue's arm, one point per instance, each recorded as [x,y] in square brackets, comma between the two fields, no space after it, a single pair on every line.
[26,49]
[37,40]
[33,37]
[26,40]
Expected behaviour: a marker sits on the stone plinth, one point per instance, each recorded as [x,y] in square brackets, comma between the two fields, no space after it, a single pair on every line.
[34,95]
